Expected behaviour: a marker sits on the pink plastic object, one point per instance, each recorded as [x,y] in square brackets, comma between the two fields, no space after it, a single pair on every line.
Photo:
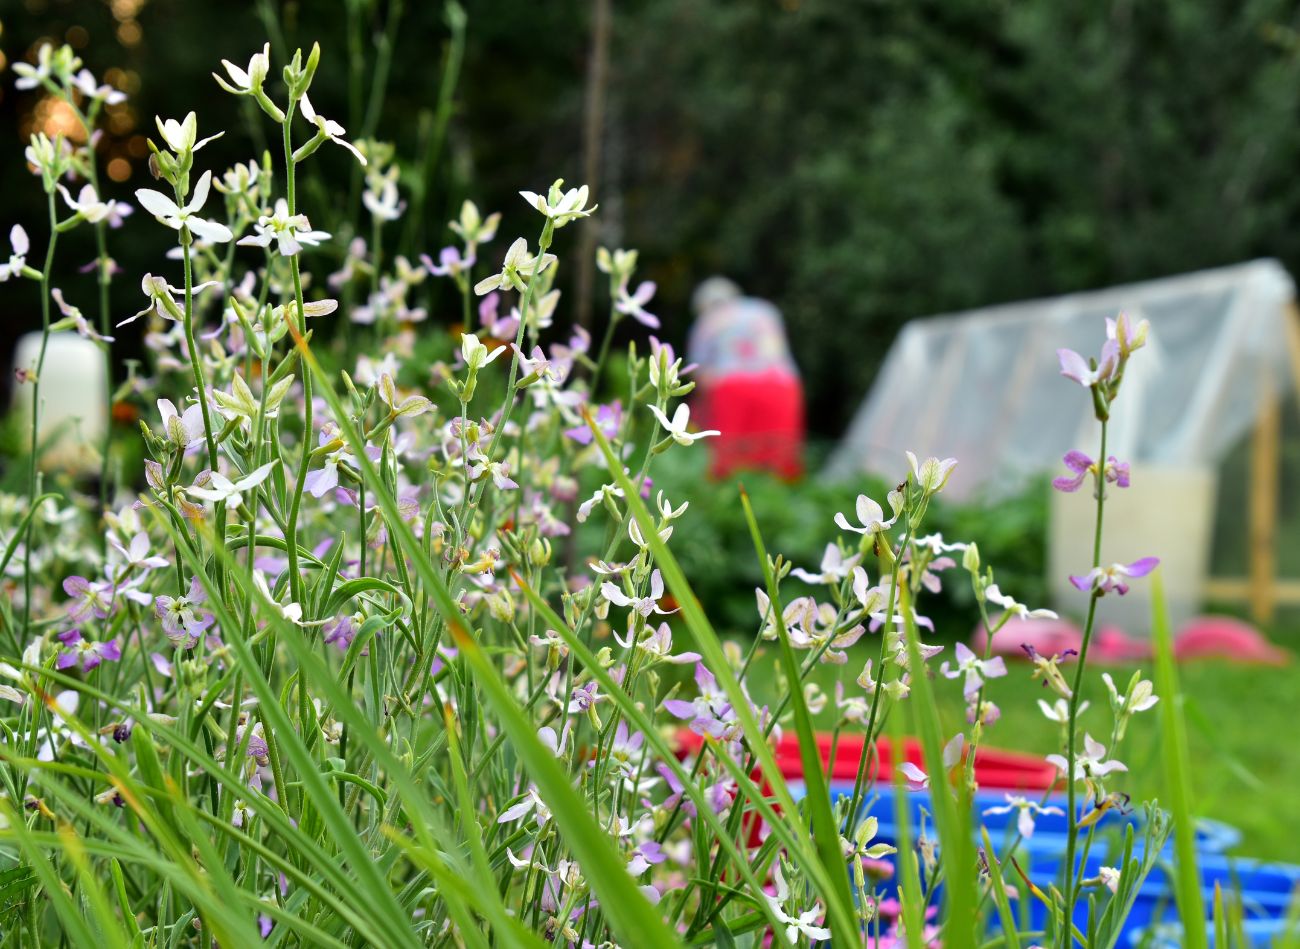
[1048,636]
[1112,646]
[1223,637]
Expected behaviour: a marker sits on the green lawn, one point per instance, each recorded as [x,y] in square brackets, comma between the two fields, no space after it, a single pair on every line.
[1243,726]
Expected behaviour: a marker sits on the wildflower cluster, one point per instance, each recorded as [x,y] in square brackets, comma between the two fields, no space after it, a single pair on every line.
[382,649]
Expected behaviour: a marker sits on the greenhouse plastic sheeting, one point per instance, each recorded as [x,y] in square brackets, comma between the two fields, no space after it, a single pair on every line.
[984,386]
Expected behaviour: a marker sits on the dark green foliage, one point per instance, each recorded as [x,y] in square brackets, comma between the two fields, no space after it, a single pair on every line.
[860,162]
[712,542]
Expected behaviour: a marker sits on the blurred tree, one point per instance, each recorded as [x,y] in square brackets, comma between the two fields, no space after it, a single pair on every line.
[860,162]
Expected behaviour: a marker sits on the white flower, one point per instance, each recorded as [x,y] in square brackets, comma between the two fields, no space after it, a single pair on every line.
[85,81]
[1026,810]
[1059,711]
[997,597]
[473,228]
[250,80]
[183,429]
[161,297]
[289,231]
[289,611]
[90,207]
[475,354]
[644,605]
[951,757]
[168,212]
[975,669]
[560,206]
[384,202]
[79,321]
[1109,876]
[223,489]
[411,405]
[873,599]
[18,246]
[835,567]
[330,129]
[1090,764]
[516,270]
[1139,697]
[795,926]
[932,474]
[180,136]
[531,803]
[32,76]
[676,428]
[872,515]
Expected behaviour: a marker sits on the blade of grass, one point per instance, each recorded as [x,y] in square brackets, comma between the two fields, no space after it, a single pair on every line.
[826,833]
[1005,913]
[909,870]
[957,850]
[1187,888]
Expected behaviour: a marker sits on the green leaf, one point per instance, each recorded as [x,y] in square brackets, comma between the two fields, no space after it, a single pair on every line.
[952,818]
[1187,878]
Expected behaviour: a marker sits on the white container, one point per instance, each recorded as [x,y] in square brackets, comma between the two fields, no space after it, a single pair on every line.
[74,410]
[1167,512]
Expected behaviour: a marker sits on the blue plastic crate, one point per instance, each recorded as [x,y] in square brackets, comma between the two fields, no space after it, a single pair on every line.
[1266,890]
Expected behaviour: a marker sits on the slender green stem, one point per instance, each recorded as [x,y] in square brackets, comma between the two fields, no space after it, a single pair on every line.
[33,484]
[196,358]
[1072,728]
[291,534]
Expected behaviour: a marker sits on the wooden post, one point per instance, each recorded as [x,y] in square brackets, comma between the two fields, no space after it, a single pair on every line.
[1264,459]
[1293,344]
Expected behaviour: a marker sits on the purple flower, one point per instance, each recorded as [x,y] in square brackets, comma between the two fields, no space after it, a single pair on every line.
[450,262]
[585,698]
[257,747]
[633,304]
[608,419]
[499,327]
[1103,580]
[644,857]
[85,654]
[1116,472]
[1074,366]
[88,599]
[182,619]
[975,670]
[711,714]
[341,632]
[1081,465]
[136,557]
[718,795]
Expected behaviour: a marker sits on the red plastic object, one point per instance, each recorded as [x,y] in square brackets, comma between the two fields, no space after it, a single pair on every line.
[761,420]
[1222,637]
[994,767]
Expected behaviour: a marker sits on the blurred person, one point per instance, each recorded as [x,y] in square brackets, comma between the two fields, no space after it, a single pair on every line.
[748,386]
